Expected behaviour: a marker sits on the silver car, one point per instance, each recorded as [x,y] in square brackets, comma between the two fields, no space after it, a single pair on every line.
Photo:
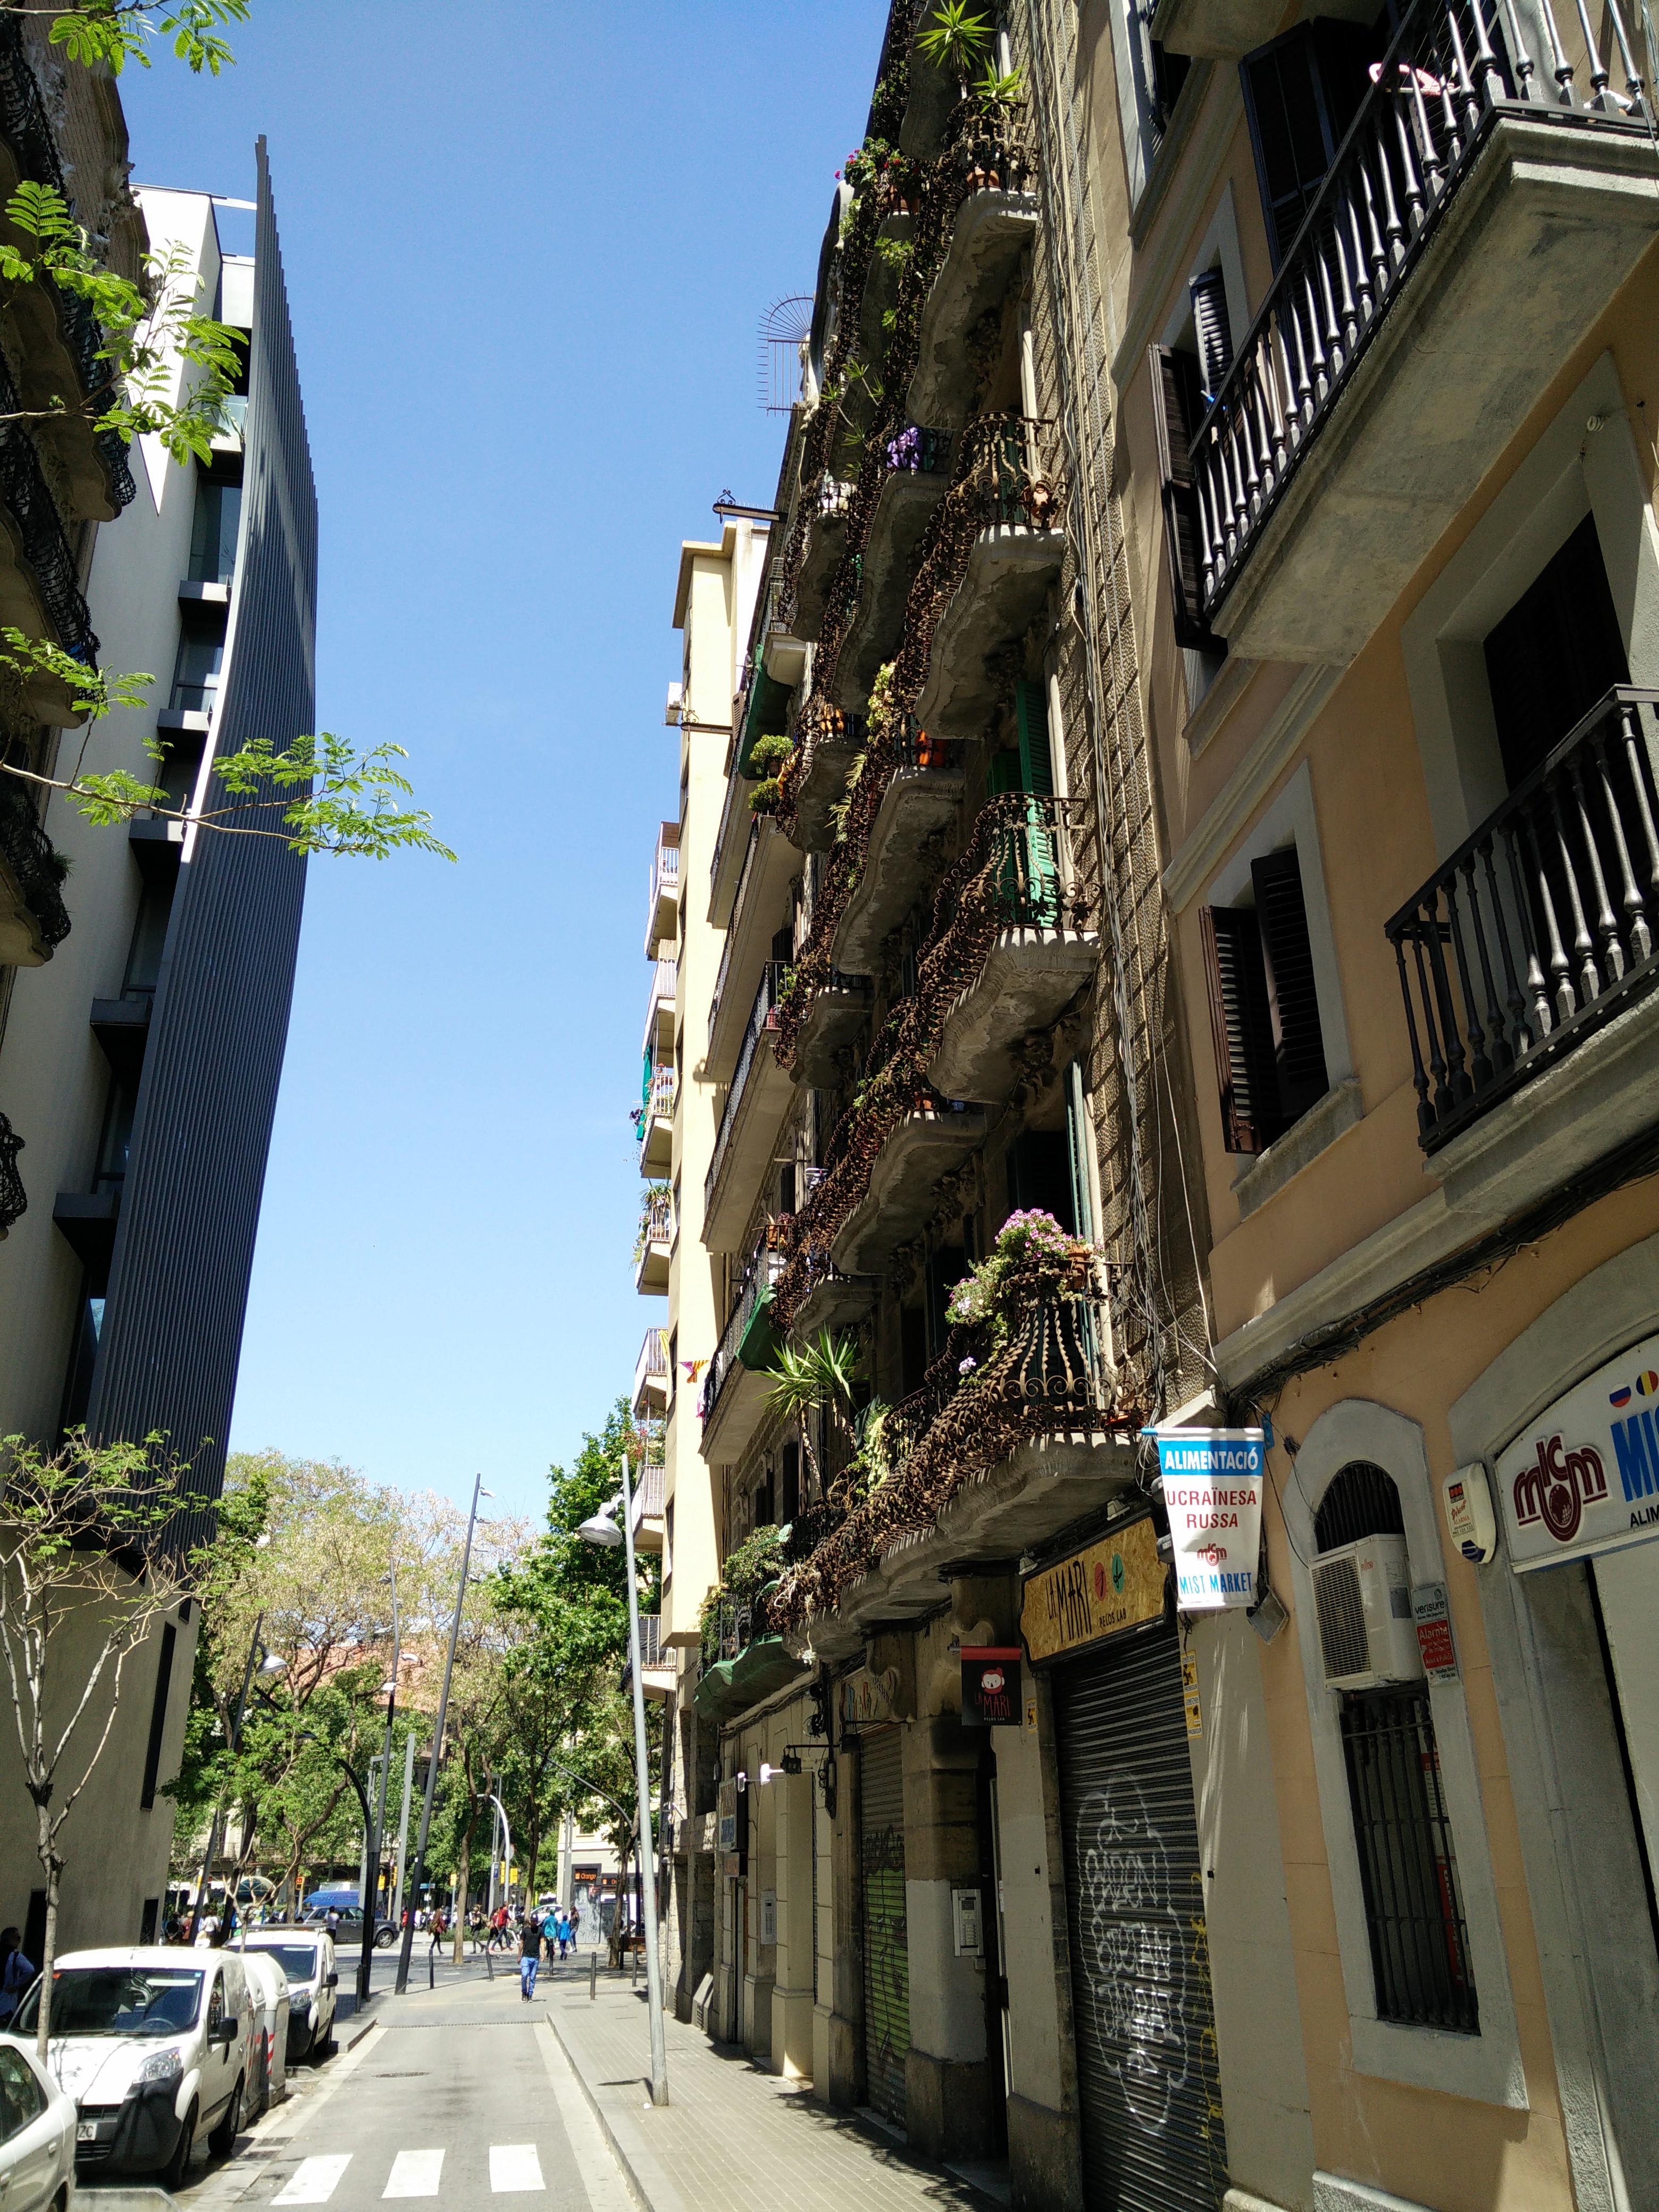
[37,2136]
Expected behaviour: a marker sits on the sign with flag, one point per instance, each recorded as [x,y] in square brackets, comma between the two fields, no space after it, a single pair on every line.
[1211,1480]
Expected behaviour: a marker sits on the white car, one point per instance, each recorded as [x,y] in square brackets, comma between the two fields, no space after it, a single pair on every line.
[306,1955]
[154,2044]
[268,2077]
[37,2136]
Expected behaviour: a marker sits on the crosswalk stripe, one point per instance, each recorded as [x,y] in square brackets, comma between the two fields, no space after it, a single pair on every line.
[314,2180]
[415,2173]
[514,2166]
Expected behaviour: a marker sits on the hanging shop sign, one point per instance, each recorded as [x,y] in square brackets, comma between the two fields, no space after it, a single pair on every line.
[1211,1481]
[1115,1584]
[869,1697]
[1584,1476]
[990,1685]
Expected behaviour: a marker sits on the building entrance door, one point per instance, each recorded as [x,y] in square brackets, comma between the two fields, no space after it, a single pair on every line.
[1148,2083]
[1627,1590]
[886,1952]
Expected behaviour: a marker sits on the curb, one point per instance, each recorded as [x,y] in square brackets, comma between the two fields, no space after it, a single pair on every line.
[619,2150]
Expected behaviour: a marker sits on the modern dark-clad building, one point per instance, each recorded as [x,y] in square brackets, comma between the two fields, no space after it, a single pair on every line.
[140,1067]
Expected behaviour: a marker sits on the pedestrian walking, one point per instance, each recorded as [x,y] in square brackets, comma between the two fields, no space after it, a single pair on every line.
[17,1973]
[436,1924]
[567,1940]
[574,1923]
[530,1954]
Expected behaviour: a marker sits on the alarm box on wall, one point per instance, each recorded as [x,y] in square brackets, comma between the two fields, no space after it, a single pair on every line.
[1363,1603]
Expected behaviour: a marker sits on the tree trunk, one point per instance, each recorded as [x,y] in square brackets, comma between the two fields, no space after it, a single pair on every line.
[52,1862]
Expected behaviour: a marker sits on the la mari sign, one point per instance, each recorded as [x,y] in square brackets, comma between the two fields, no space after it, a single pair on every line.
[1584,1476]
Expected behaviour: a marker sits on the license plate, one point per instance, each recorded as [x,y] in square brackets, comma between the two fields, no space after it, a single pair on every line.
[86,2131]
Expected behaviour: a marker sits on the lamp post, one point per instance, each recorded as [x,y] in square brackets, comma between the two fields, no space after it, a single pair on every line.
[390,1711]
[602,1530]
[478,1491]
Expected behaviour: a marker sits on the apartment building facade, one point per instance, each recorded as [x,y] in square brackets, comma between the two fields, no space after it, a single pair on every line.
[1381,316]
[139,1063]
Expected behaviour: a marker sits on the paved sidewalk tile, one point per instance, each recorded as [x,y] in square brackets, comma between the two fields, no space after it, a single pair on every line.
[734,2137]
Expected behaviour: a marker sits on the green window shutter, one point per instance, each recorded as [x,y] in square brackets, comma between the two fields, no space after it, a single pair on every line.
[1037,773]
[1002,773]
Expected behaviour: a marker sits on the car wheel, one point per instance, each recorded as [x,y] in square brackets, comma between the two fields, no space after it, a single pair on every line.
[325,2049]
[173,2174]
[386,1939]
[222,2140]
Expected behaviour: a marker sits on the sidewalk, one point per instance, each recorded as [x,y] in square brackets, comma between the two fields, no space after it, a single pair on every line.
[734,2136]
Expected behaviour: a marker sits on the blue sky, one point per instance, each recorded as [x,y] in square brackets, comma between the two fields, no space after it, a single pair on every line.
[527,266]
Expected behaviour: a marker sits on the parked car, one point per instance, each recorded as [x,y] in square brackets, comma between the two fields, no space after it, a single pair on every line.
[306,1955]
[154,2044]
[348,1927]
[268,2077]
[38,2121]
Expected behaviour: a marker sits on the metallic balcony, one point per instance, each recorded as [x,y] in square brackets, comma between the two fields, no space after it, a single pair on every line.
[654,1119]
[1484,209]
[831,1028]
[660,1010]
[650,1398]
[754,1661]
[655,1248]
[782,652]
[735,1388]
[881,286]
[831,1300]
[663,908]
[658,1672]
[1541,930]
[646,1513]
[33,920]
[1013,484]
[918,476]
[1064,1452]
[1039,960]
[760,909]
[756,1102]
[829,741]
[823,545]
[921,798]
[997,221]
[902,1191]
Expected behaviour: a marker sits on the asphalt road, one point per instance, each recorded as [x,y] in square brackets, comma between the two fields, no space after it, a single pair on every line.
[452,2096]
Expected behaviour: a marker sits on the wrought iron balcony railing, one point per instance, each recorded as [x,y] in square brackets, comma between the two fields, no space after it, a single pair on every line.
[656,1221]
[1539,928]
[29,853]
[45,547]
[758,1276]
[920,452]
[1448,71]
[762,1017]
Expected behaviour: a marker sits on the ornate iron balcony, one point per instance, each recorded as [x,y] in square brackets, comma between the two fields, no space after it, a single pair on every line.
[30,855]
[1541,927]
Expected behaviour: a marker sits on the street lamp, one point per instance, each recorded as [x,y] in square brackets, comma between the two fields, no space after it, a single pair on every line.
[376,1839]
[601,1531]
[478,1491]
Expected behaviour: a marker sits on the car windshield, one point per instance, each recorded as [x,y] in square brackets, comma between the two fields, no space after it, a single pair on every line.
[297,1960]
[115,2001]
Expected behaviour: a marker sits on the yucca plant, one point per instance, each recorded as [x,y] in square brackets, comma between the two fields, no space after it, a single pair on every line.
[818,1377]
[957,39]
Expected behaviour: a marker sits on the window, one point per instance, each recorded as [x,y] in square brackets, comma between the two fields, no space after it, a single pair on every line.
[1301,93]
[214,530]
[790,1505]
[196,677]
[1556,653]
[1158,75]
[1403,1829]
[668,1543]
[158,1715]
[1178,408]
[1264,1005]
[23,2100]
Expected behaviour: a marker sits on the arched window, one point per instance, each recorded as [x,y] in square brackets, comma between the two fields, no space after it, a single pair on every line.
[1403,1829]
[1361,1501]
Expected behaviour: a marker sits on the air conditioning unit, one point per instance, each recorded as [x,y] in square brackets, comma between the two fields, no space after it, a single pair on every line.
[1363,1604]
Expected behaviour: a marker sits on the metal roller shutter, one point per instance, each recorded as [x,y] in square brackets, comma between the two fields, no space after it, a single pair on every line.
[886,1958]
[1153,2139]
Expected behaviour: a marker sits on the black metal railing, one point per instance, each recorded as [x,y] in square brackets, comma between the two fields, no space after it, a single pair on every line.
[33,862]
[1450,69]
[1012,471]
[762,1017]
[14,1199]
[915,749]
[1541,926]
[1055,1378]
[1407,1868]
[45,547]
[27,129]
[764,1263]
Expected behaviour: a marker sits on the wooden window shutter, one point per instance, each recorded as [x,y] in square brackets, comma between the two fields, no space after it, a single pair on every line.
[1036,768]
[1287,959]
[1240,1027]
[1213,328]
[1177,409]
[1301,93]
[1002,773]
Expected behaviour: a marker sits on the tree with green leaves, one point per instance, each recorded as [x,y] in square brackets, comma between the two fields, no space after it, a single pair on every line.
[86,1569]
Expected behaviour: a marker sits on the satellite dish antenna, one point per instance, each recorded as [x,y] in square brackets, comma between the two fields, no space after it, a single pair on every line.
[785,328]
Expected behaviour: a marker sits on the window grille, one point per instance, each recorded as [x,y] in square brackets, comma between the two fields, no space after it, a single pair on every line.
[1361,1501]
[1407,1868]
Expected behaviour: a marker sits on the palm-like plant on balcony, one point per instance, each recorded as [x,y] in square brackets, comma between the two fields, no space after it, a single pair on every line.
[657,1196]
[819,1377]
[956,39]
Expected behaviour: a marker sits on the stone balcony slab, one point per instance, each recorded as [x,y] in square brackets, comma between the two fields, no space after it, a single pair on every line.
[1030,977]
[991,232]
[904,1185]
[1010,571]
[917,803]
